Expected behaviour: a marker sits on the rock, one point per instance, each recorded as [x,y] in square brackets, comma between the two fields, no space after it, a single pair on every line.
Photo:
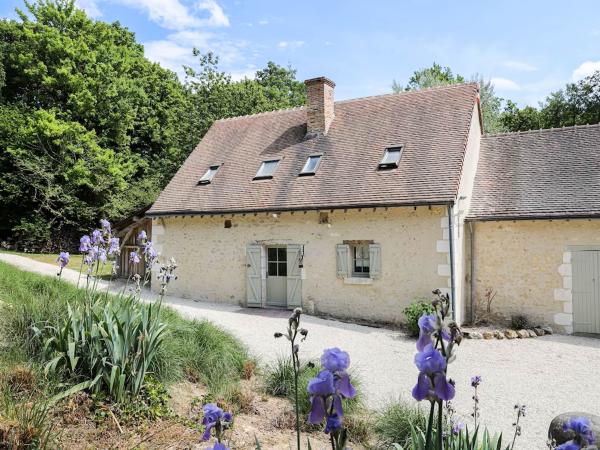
[488,335]
[522,334]
[532,333]
[539,331]
[556,432]
[498,334]
[475,335]
[510,334]
[547,330]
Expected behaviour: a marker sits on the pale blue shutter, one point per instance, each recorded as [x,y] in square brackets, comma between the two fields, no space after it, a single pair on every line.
[253,276]
[294,279]
[375,261]
[342,252]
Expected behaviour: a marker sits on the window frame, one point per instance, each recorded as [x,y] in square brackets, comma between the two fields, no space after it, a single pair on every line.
[208,177]
[308,173]
[365,257]
[262,164]
[390,165]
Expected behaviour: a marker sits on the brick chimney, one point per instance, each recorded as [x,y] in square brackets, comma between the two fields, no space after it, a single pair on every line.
[319,110]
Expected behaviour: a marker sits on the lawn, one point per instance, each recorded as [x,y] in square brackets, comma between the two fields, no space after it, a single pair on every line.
[50,258]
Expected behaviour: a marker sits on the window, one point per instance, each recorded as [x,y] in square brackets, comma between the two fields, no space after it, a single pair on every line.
[360,261]
[311,165]
[391,158]
[266,170]
[277,261]
[208,175]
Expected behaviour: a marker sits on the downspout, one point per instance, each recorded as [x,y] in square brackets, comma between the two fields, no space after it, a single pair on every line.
[472,270]
[451,242]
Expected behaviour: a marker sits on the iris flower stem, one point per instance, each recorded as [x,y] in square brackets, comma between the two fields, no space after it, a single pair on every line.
[429,427]
[439,426]
[80,270]
[296,369]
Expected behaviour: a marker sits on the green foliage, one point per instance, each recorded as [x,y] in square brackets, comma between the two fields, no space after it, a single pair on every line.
[279,377]
[461,441]
[414,311]
[519,322]
[394,422]
[92,128]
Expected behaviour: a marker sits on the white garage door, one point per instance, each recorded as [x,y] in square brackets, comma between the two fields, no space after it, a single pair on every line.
[586,291]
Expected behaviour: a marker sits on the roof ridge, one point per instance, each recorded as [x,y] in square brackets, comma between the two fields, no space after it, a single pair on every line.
[263,113]
[543,130]
[416,92]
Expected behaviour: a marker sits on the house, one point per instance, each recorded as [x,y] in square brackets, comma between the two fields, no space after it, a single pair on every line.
[355,208]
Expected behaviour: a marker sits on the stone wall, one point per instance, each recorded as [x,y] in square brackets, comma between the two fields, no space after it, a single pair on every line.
[528,264]
[213,258]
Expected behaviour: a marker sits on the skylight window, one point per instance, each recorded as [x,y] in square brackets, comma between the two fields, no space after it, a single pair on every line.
[311,165]
[391,158]
[266,170]
[208,175]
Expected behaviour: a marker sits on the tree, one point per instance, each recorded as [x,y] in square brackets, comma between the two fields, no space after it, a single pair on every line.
[436,75]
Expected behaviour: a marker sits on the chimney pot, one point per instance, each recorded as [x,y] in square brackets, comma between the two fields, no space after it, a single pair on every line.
[320,107]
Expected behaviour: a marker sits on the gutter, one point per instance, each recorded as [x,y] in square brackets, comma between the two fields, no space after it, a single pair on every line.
[452,274]
[296,209]
[540,217]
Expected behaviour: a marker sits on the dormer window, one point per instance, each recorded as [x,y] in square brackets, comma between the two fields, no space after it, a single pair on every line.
[266,170]
[311,165]
[208,175]
[391,158]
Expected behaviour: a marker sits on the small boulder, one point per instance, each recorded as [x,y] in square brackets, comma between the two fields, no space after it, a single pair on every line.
[532,333]
[498,334]
[539,331]
[522,334]
[488,335]
[547,330]
[510,334]
[475,335]
[556,427]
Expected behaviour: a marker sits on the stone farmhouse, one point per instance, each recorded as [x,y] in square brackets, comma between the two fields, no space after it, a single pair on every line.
[355,208]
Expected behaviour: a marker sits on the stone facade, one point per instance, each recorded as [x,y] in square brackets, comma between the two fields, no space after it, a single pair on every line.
[320,105]
[528,264]
[213,258]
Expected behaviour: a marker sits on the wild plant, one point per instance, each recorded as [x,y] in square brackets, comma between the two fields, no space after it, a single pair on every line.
[292,332]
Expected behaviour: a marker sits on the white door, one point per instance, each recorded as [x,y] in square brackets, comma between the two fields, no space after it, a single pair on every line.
[277,276]
[586,291]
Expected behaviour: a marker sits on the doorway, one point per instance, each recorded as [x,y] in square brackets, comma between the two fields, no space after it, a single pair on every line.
[586,291]
[277,272]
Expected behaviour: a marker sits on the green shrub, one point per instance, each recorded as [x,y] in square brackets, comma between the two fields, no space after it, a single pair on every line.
[414,311]
[393,423]
[519,322]
[279,377]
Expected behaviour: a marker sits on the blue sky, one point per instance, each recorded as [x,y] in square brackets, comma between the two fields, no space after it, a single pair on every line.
[527,48]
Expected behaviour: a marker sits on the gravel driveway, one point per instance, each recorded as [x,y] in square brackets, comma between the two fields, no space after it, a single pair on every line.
[550,374]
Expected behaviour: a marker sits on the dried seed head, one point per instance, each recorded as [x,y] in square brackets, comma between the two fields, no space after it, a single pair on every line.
[278,335]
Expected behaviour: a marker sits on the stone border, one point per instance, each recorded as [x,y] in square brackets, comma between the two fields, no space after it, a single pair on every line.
[564,294]
[508,333]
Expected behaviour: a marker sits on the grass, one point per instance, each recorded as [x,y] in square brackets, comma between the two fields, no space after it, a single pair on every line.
[196,350]
[392,424]
[50,258]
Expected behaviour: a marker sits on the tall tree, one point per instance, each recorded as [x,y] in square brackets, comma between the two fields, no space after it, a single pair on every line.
[437,75]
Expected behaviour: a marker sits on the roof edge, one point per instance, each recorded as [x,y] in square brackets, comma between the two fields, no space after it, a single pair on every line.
[543,130]
[532,217]
[308,208]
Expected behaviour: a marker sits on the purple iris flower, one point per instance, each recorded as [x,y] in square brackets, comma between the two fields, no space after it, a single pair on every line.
[430,360]
[142,236]
[333,423]
[569,445]
[63,259]
[212,413]
[581,426]
[427,325]
[102,255]
[105,224]
[476,380]
[432,377]
[113,246]
[457,428]
[335,360]
[97,237]
[218,446]
[85,243]
[134,257]
[149,250]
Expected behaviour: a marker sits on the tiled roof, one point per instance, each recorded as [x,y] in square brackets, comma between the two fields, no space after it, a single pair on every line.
[543,174]
[431,124]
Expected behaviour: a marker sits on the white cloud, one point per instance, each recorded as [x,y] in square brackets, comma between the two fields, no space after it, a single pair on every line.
[263,22]
[239,75]
[585,69]
[290,44]
[90,7]
[519,65]
[174,15]
[505,84]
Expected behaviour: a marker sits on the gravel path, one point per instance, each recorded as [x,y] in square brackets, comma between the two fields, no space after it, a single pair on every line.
[550,374]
